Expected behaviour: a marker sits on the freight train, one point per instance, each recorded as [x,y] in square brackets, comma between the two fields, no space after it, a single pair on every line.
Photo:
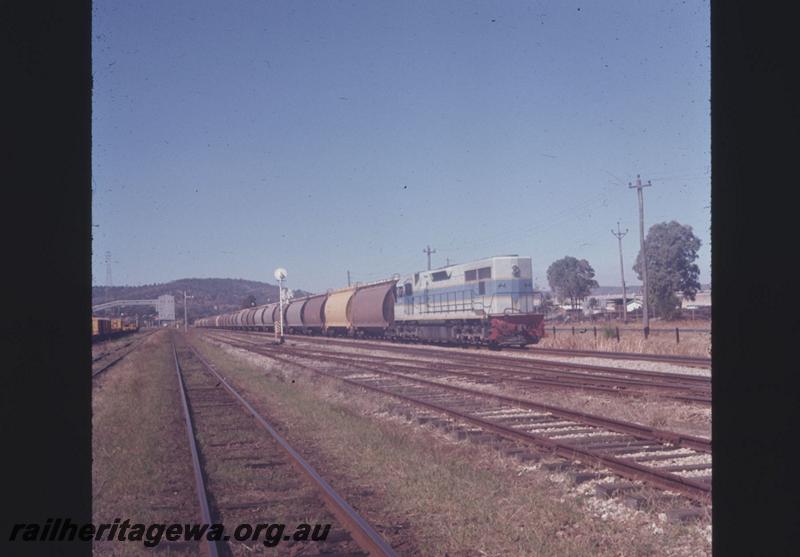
[486,302]
[104,328]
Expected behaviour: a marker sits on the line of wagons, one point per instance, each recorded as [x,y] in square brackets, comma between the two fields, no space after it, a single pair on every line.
[104,328]
[355,311]
[369,312]
[489,301]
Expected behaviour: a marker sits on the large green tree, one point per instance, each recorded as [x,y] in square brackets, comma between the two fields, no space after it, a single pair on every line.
[671,251]
[571,279]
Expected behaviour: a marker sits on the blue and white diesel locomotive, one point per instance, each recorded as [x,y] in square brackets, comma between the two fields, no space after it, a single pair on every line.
[489,301]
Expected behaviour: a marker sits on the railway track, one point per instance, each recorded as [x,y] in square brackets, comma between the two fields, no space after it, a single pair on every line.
[246,473]
[107,360]
[106,354]
[526,372]
[689,361]
[666,460]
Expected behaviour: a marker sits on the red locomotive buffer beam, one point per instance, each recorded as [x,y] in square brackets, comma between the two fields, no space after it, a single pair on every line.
[516,330]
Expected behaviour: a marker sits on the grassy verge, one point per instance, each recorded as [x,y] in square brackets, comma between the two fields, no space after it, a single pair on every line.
[698,344]
[453,498]
[691,343]
[142,468]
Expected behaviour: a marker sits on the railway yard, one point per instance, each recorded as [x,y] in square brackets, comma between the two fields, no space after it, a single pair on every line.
[402,449]
[426,281]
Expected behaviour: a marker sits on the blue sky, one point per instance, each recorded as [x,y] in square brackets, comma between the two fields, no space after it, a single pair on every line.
[230,138]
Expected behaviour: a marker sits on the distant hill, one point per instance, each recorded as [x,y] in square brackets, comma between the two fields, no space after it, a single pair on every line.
[211,296]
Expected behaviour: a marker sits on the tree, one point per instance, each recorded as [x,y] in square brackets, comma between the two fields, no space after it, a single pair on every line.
[249,302]
[671,252]
[547,303]
[571,279]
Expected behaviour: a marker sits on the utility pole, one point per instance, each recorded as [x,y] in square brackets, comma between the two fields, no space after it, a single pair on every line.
[348,278]
[619,236]
[429,251]
[185,313]
[639,186]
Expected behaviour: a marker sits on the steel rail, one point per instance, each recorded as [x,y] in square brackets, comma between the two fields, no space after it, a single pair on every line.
[104,354]
[112,363]
[109,365]
[698,491]
[202,494]
[688,441]
[363,534]
[602,383]
[562,379]
[520,361]
[698,361]
[677,359]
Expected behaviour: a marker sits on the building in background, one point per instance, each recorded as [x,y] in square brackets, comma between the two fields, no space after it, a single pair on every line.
[165,306]
[701,300]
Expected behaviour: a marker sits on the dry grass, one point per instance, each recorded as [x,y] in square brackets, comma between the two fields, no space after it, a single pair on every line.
[691,344]
[114,344]
[454,498]
[137,430]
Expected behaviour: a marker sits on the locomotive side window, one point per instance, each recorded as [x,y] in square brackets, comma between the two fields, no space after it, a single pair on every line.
[484,273]
[439,275]
[472,274]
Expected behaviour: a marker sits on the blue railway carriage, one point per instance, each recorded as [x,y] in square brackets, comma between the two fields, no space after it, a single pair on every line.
[489,301]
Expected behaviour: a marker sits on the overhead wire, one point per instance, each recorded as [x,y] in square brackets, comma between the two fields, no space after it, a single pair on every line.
[460,244]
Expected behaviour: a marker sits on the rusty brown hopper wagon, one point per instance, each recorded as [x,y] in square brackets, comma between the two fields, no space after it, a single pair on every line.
[294,312]
[372,308]
[313,314]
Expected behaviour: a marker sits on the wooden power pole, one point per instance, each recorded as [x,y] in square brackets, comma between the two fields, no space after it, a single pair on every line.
[429,251]
[639,186]
[619,234]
